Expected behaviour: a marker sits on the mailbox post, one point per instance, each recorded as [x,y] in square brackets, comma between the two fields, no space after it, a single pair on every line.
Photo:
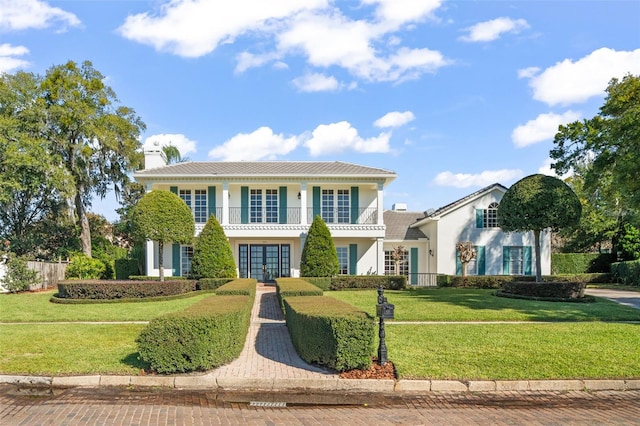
[384,311]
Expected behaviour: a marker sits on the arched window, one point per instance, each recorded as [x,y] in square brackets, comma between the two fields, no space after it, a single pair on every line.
[490,216]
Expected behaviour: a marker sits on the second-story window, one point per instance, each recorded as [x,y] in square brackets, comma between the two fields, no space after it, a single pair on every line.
[490,216]
[335,209]
[271,206]
[197,202]
[256,206]
[263,209]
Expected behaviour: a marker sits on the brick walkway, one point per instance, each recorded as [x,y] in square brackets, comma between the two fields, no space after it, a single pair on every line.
[268,351]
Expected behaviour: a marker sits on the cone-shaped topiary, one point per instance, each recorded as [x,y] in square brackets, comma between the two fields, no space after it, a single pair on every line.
[319,256]
[212,254]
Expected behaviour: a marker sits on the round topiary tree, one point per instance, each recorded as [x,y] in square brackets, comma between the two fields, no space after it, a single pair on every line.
[162,216]
[535,203]
[319,255]
[212,254]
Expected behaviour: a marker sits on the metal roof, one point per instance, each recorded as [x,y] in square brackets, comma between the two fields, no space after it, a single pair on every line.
[398,225]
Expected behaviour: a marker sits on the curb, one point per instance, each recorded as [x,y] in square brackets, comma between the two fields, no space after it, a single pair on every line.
[208,382]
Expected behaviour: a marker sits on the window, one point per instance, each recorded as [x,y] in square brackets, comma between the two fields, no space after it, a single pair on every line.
[336,209]
[390,263]
[516,261]
[263,210]
[199,207]
[256,206]
[271,205]
[343,260]
[490,216]
[186,256]
[243,261]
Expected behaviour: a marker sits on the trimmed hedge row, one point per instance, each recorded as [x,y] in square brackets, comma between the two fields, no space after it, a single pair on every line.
[498,281]
[389,282]
[206,335]
[102,289]
[579,263]
[551,290]
[287,287]
[323,283]
[154,278]
[329,332]
[212,283]
[238,287]
[627,273]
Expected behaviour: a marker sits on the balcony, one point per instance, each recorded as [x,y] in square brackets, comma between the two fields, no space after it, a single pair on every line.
[292,216]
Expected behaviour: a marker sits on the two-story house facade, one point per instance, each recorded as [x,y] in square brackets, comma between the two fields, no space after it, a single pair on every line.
[267,207]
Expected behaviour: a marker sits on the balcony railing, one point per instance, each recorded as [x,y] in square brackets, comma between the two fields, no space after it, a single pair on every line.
[275,216]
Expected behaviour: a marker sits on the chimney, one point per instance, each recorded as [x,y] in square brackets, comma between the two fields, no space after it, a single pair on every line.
[154,158]
[399,207]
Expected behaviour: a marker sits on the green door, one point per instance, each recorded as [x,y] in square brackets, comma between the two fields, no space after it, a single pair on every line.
[264,262]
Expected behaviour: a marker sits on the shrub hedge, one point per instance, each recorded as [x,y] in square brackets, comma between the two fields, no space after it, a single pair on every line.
[329,332]
[101,289]
[212,283]
[547,291]
[206,335]
[153,278]
[579,263]
[241,286]
[498,281]
[390,282]
[627,273]
[323,283]
[287,287]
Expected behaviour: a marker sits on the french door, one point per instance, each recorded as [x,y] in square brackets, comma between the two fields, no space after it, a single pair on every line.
[264,262]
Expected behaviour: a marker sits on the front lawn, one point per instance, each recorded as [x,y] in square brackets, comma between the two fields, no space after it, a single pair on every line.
[585,350]
[35,307]
[69,349]
[457,304]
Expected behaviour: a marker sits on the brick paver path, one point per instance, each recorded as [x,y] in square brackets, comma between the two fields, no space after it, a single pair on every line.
[120,406]
[268,351]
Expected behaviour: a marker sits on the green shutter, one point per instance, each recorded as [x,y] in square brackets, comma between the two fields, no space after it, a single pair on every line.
[353,259]
[458,263]
[174,189]
[211,199]
[479,218]
[413,265]
[355,204]
[316,201]
[282,193]
[175,260]
[527,260]
[244,204]
[505,260]
[480,260]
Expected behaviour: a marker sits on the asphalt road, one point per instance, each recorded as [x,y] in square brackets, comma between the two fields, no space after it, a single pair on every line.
[129,406]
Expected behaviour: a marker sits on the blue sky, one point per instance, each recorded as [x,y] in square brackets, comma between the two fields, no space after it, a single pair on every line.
[451,95]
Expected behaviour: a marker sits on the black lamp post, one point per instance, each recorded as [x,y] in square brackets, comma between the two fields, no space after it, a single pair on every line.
[383,310]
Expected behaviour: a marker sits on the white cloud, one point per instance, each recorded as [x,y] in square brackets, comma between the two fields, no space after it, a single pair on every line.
[338,137]
[25,14]
[528,72]
[184,144]
[316,82]
[394,119]
[262,144]
[542,128]
[193,28]
[316,29]
[8,60]
[546,169]
[487,177]
[492,30]
[569,82]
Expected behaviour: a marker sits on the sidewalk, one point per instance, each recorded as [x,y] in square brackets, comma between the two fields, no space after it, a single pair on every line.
[269,362]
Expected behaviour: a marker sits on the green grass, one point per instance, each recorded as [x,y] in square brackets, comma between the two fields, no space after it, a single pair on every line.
[56,349]
[35,307]
[456,304]
[515,351]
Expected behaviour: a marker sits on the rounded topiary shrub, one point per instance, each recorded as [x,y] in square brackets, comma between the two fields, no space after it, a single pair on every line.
[212,254]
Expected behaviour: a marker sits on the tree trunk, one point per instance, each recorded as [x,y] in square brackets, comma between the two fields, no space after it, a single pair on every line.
[160,259]
[536,235]
[83,221]
[464,269]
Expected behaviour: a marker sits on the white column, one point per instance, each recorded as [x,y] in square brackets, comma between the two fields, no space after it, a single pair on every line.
[380,256]
[303,204]
[380,204]
[225,203]
[149,257]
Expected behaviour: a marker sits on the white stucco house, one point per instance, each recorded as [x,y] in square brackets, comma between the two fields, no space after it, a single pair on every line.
[267,207]
[430,238]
